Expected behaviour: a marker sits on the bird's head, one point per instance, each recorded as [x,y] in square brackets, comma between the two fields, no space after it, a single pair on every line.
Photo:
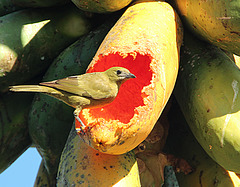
[119,74]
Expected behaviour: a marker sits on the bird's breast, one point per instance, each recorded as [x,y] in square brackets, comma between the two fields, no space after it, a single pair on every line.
[97,103]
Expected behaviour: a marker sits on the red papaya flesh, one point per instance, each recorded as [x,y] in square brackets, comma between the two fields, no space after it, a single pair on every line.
[150,54]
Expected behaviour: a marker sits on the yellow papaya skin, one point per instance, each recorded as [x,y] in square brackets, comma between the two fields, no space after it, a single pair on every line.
[81,165]
[207,91]
[150,54]
[217,22]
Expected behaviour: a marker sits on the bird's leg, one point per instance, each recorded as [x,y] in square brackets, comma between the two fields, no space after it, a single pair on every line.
[76,115]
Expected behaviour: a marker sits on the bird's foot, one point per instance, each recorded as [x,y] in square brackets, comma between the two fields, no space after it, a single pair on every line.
[82,127]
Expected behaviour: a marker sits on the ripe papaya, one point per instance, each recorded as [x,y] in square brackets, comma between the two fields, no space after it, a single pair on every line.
[101,6]
[207,91]
[236,59]
[146,40]
[31,39]
[181,142]
[14,134]
[81,165]
[215,21]
[50,120]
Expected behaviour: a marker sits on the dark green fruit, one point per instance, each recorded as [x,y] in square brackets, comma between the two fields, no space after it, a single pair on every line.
[50,120]
[14,136]
[31,39]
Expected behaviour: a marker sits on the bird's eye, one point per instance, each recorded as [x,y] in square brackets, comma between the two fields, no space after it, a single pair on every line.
[119,72]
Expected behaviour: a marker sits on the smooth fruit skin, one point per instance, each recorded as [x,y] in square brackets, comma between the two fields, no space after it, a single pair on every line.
[30,39]
[101,6]
[81,165]
[50,120]
[207,91]
[8,6]
[43,178]
[181,142]
[217,22]
[146,39]
[38,3]
[14,134]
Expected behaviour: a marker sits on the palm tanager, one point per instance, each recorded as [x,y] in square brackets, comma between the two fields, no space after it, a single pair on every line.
[88,90]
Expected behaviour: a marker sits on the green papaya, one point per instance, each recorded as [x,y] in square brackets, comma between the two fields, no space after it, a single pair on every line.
[215,21]
[182,143]
[14,136]
[7,6]
[50,120]
[101,6]
[39,3]
[207,90]
[31,39]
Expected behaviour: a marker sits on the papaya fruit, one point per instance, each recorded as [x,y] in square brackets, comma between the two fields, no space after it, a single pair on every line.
[43,177]
[236,59]
[14,134]
[235,178]
[181,142]
[31,39]
[6,7]
[207,92]
[101,6]
[150,50]
[38,3]
[82,165]
[217,22]
[170,177]
[50,120]
[9,6]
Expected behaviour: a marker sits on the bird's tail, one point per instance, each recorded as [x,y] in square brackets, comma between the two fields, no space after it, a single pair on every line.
[35,88]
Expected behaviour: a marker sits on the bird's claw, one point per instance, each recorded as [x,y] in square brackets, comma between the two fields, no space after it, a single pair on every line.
[82,127]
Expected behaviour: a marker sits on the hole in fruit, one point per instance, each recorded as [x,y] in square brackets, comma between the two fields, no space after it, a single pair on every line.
[131,94]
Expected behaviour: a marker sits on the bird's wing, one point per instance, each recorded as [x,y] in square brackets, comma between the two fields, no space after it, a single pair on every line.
[94,85]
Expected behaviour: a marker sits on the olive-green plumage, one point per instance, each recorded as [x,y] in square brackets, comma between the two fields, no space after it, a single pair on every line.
[83,91]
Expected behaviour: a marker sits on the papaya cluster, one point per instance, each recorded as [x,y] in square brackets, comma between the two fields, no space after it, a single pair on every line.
[195,132]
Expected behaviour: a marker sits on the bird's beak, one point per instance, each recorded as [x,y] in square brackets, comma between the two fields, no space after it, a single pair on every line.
[130,75]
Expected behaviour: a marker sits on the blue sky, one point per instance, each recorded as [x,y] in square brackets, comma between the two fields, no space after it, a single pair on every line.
[23,171]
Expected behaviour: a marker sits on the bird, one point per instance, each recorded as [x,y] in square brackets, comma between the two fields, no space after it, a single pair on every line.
[89,90]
